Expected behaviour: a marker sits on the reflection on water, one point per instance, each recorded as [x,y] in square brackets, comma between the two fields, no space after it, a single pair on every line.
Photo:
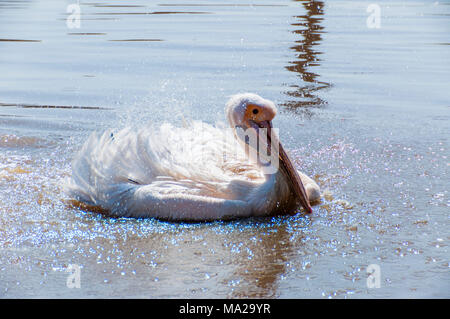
[146,13]
[36,106]
[137,40]
[18,40]
[86,33]
[220,5]
[262,269]
[309,29]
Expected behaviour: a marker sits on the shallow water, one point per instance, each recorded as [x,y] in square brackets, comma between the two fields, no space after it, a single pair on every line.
[362,110]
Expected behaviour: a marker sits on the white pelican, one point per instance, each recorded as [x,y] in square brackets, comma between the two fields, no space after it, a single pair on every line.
[195,173]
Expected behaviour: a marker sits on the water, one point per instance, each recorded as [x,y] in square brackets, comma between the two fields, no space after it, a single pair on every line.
[362,110]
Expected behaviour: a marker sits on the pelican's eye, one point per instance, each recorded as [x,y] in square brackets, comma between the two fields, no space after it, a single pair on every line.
[255,111]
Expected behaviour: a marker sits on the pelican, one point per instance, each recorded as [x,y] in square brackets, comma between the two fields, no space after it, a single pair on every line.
[196,173]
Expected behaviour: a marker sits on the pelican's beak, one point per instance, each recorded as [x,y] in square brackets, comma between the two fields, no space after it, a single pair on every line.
[286,165]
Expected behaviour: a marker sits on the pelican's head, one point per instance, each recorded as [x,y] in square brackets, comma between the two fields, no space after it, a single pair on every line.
[250,111]
[244,110]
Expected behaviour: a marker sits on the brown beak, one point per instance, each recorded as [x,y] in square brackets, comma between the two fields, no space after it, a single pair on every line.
[296,182]
[286,165]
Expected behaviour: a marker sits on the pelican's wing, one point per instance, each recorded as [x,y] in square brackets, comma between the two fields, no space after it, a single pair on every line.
[114,169]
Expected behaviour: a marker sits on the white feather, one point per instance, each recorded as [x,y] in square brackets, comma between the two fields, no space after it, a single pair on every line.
[132,172]
[198,172]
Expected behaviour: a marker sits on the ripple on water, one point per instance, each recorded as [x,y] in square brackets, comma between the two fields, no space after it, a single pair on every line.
[14,141]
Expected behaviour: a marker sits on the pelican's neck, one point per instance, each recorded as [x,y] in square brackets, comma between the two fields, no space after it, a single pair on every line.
[273,195]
